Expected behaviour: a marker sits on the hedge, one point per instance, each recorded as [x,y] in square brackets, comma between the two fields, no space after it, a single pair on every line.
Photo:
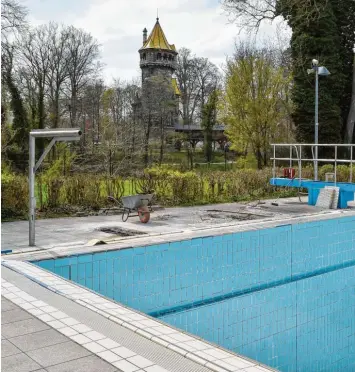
[172,188]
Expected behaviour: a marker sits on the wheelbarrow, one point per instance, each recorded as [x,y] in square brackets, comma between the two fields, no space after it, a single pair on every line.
[140,204]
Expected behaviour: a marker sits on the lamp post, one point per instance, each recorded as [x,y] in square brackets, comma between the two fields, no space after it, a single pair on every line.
[318,70]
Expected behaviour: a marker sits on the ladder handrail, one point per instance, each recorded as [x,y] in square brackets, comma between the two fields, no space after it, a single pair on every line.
[298,149]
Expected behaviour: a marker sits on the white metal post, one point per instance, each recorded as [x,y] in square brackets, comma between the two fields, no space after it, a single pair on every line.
[31,184]
[316,129]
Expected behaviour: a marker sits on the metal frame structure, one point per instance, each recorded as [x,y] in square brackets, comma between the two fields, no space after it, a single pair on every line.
[298,148]
[57,135]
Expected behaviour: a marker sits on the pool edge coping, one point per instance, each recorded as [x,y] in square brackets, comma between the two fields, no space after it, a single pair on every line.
[181,347]
[197,233]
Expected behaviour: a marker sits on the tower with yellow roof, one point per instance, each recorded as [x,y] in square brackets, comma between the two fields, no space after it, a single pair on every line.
[158,59]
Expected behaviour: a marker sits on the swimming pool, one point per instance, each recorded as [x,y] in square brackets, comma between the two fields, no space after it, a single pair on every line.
[284,296]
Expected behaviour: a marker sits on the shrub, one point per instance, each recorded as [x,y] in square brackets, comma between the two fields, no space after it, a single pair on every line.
[14,196]
[171,187]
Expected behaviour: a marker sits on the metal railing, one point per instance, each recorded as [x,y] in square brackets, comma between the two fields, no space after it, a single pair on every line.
[299,150]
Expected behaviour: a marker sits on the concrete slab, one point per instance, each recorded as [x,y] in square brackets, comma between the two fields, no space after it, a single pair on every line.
[60,353]
[7,349]
[46,348]
[78,231]
[14,316]
[6,305]
[18,363]
[86,364]
[22,327]
[37,340]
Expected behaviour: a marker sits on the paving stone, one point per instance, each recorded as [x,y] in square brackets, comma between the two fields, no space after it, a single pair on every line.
[18,363]
[126,366]
[55,354]
[7,349]
[109,356]
[6,305]
[22,327]
[88,364]
[140,361]
[14,316]
[80,339]
[108,343]
[38,340]
[155,369]
[123,352]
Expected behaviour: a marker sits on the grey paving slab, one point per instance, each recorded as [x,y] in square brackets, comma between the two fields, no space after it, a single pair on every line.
[14,316]
[18,363]
[38,340]
[155,352]
[6,305]
[23,327]
[20,346]
[87,364]
[55,354]
[7,349]
[77,231]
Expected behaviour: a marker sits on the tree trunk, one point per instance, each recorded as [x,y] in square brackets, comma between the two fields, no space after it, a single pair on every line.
[350,123]
[73,109]
[208,144]
[259,158]
[41,119]
[161,142]
[146,146]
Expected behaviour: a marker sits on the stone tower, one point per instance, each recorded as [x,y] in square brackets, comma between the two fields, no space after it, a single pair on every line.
[158,61]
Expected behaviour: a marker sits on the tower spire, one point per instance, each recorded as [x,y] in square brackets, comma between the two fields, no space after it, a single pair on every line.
[157,14]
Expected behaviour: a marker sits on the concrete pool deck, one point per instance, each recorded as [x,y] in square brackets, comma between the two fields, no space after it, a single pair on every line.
[58,234]
[123,338]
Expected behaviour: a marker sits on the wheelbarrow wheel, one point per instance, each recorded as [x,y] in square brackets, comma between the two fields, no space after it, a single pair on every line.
[125,215]
[144,214]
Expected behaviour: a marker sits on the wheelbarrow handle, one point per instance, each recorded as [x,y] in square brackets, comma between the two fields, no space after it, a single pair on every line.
[112,199]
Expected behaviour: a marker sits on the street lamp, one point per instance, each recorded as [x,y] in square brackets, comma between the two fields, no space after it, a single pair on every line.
[318,70]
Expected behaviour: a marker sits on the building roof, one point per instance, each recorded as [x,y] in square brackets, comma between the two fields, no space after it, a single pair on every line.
[157,39]
[175,87]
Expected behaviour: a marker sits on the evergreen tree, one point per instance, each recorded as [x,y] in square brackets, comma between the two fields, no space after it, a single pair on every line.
[345,15]
[318,39]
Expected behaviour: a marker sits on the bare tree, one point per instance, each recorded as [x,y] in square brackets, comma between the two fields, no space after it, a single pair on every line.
[187,80]
[250,14]
[83,54]
[13,18]
[58,69]
[158,107]
[197,78]
[35,57]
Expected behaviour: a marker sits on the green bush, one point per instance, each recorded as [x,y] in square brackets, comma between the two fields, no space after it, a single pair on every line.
[14,196]
[171,187]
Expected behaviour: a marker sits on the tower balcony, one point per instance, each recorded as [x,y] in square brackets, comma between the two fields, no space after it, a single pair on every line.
[158,63]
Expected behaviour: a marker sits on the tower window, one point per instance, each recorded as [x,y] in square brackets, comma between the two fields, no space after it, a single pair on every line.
[144,56]
[158,56]
[165,57]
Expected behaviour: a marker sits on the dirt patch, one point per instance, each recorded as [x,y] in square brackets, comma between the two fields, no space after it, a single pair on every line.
[232,216]
[120,231]
[165,217]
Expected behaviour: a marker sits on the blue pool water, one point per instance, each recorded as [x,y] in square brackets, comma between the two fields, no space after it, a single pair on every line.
[284,296]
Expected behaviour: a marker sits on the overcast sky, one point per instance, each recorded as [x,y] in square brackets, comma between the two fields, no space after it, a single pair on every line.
[199,25]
